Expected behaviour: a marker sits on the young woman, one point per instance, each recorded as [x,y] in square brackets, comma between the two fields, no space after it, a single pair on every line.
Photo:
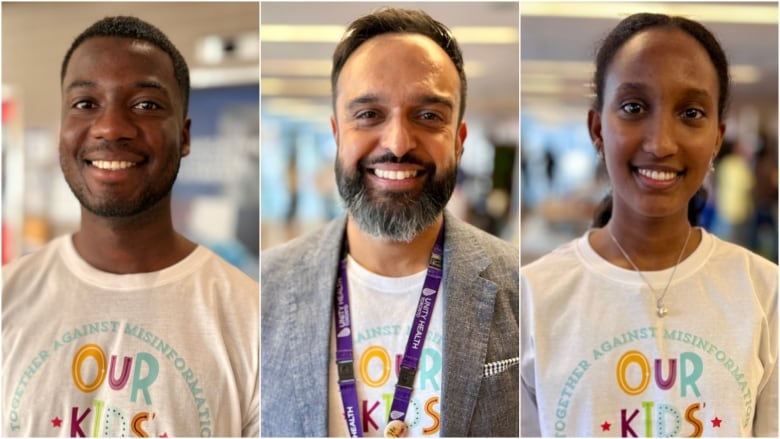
[648,325]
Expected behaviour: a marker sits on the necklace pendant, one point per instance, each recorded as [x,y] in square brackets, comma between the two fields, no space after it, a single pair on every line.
[396,428]
[662,311]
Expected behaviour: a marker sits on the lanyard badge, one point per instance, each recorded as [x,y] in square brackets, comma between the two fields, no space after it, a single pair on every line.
[396,427]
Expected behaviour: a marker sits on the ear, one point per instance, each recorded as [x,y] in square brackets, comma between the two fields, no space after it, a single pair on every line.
[594,128]
[460,138]
[719,139]
[185,138]
[334,128]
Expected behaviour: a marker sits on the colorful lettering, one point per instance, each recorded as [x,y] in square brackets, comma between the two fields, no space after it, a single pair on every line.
[86,351]
[622,367]
[75,422]
[698,427]
[381,354]
[140,383]
[689,379]
[430,410]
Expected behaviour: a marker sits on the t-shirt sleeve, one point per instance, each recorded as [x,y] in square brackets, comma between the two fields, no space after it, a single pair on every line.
[765,421]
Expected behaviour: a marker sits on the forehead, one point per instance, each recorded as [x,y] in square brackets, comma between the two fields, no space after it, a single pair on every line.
[113,58]
[664,54]
[400,62]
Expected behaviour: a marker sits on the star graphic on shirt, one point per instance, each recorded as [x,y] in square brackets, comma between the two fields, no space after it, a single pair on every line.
[56,422]
[605,426]
[716,422]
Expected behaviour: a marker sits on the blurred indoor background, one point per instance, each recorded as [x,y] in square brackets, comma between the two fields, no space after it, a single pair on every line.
[297,178]
[561,178]
[216,195]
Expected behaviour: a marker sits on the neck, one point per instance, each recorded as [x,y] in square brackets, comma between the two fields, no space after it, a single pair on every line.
[652,244]
[390,258]
[142,243]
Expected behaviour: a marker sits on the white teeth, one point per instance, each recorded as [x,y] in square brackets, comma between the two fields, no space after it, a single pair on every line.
[657,175]
[112,165]
[394,175]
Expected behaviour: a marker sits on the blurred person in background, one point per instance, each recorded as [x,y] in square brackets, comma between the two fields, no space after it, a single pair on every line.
[734,186]
[127,327]
[648,325]
[397,283]
[763,226]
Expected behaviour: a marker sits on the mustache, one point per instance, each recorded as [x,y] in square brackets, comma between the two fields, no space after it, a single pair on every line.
[107,145]
[389,157]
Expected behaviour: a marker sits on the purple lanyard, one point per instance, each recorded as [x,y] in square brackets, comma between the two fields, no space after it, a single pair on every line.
[414,345]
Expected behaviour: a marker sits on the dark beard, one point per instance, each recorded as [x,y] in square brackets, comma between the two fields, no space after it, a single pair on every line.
[390,215]
[115,208]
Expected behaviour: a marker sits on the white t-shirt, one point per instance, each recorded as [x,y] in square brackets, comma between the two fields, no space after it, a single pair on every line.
[382,311]
[598,361]
[168,353]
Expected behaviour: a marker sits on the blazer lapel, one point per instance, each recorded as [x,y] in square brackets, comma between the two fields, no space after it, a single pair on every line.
[469,301]
[313,317]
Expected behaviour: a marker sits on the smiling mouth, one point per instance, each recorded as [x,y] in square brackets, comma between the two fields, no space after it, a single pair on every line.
[395,175]
[657,175]
[112,165]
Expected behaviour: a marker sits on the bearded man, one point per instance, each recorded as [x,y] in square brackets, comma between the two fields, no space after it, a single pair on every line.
[396,318]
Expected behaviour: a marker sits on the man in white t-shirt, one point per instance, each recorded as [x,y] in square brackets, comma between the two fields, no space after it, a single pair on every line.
[396,318]
[126,327]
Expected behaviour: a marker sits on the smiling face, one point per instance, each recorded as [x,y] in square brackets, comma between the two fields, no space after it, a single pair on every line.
[659,125]
[398,135]
[123,131]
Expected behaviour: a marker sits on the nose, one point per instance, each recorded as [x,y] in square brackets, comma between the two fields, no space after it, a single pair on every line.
[113,123]
[660,138]
[397,136]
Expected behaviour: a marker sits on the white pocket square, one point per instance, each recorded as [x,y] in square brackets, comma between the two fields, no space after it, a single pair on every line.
[496,367]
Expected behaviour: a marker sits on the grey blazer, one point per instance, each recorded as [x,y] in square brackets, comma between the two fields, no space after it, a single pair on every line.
[480,394]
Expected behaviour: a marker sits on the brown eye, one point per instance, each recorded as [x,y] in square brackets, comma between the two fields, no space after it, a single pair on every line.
[84,105]
[693,113]
[631,108]
[147,105]
[368,114]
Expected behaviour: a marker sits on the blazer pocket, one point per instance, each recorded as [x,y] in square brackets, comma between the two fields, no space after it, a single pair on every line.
[496,367]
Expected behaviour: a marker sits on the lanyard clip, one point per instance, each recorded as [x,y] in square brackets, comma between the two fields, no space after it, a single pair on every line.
[346,371]
[406,377]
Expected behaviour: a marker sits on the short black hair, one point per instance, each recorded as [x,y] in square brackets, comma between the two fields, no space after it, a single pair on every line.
[135,28]
[394,20]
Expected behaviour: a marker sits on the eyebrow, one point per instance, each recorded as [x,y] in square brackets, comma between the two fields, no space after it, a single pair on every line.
[362,100]
[421,99]
[691,92]
[631,87]
[85,83]
[80,83]
[436,100]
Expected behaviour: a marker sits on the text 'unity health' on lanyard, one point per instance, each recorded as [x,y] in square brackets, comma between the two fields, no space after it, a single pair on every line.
[411,360]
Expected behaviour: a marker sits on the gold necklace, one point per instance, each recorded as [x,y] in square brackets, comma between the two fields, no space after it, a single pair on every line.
[661,310]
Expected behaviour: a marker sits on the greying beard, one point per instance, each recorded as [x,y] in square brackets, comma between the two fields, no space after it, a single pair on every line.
[394,216]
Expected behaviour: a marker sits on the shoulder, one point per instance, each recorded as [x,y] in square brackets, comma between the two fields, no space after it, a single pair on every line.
[562,258]
[303,250]
[35,264]
[219,269]
[470,242]
[727,257]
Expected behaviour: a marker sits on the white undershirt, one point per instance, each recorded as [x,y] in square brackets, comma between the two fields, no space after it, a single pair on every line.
[382,311]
